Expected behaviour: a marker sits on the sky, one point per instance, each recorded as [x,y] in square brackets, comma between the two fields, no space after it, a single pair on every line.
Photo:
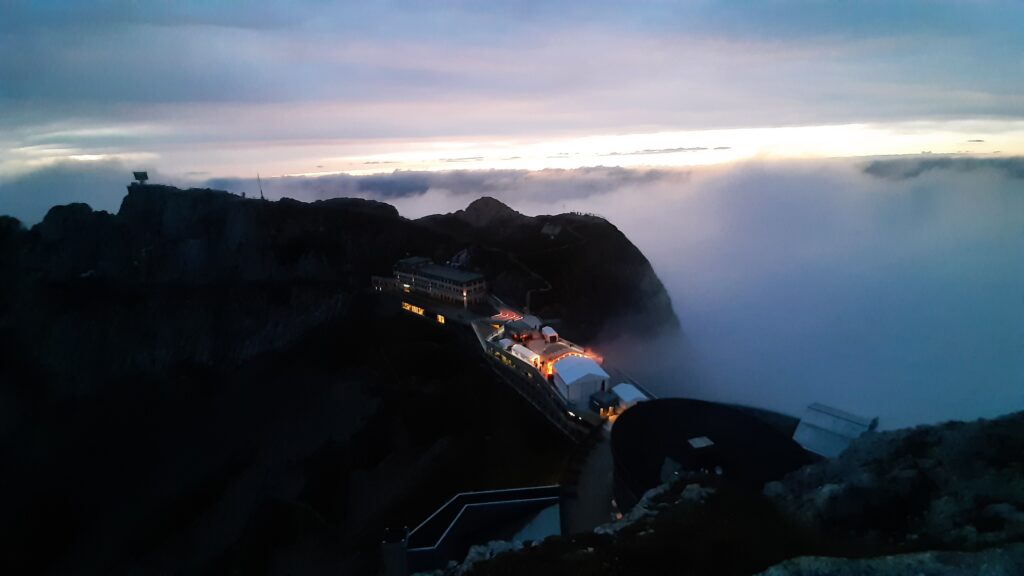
[831,192]
[227,89]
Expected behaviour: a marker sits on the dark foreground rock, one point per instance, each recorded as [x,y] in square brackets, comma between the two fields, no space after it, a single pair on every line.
[200,383]
[952,486]
[931,500]
[1003,561]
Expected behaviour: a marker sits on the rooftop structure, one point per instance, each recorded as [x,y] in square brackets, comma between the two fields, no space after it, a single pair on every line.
[521,330]
[604,403]
[629,395]
[421,275]
[140,177]
[699,442]
[532,321]
[828,431]
[551,352]
[526,355]
[425,268]
[506,315]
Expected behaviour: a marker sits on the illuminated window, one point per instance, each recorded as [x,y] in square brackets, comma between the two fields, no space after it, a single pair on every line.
[413,309]
[440,319]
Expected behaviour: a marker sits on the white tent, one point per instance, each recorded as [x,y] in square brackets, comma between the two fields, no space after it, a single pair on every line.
[576,378]
[526,355]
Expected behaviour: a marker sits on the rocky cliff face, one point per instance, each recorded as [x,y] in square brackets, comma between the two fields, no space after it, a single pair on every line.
[162,234]
[578,268]
[487,211]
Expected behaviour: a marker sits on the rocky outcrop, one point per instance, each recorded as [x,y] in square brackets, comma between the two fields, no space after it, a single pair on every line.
[578,268]
[937,500]
[1003,561]
[487,211]
[952,486]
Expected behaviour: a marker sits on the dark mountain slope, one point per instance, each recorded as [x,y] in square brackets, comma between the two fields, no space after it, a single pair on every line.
[201,383]
[579,268]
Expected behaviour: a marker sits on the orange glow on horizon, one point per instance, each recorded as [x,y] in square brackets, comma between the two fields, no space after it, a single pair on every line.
[688,148]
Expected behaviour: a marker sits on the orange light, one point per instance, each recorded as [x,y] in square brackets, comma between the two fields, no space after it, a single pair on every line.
[413,309]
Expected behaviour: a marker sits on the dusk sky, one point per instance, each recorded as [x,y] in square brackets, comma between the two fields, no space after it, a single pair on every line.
[216,89]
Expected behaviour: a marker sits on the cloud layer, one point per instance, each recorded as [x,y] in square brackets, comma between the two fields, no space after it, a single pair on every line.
[890,287]
[29,196]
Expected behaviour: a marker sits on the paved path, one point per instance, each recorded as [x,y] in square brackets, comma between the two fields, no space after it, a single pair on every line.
[591,505]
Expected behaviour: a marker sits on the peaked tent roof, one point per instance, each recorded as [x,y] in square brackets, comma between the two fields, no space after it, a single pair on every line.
[572,368]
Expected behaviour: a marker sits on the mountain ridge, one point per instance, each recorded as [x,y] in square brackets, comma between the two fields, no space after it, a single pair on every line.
[227,393]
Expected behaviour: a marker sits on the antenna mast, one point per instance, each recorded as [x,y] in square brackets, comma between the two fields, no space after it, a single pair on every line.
[260,182]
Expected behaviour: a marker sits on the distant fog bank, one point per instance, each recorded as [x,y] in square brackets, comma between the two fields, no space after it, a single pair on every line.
[890,288]
[900,297]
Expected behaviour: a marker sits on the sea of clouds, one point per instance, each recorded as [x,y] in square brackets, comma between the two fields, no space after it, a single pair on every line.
[888,287]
